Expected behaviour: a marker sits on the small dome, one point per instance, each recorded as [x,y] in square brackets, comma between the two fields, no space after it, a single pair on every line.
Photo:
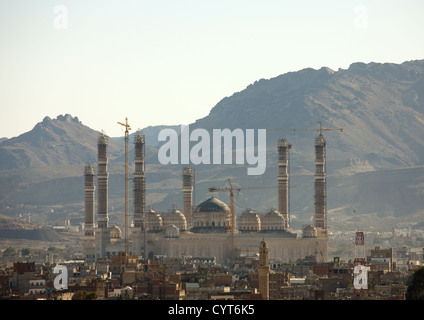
[172,231]
[273,221]
[154,220]
[249,221]
[175,217]
[309,231]
[116,232]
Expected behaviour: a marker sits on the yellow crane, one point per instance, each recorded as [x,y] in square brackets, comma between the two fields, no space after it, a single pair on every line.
[126,139]
[231,190]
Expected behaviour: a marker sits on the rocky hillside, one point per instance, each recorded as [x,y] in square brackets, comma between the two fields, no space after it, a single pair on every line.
[379,106]
[61,141]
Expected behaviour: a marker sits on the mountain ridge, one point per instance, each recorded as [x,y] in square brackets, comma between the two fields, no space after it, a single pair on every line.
[383,101]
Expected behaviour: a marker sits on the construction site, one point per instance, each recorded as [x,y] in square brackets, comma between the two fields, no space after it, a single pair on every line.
[208,229]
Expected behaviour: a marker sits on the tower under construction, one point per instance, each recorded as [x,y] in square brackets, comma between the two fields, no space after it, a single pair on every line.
[102,182]
[320,200]
[283,179]
[139,230]
[89,196]
[103,233]
[188,194]
[203,230]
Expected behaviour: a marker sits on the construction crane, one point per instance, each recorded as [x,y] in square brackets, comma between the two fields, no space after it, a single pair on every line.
[126,139]
[231,190]
[320,130]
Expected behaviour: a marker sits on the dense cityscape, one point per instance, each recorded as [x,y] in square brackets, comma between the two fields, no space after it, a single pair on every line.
[390,267]
[263,259]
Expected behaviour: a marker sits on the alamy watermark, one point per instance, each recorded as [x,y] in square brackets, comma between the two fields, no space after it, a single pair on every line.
[60,20]
[61,281]
[361,18]
[217,149]
[360,277]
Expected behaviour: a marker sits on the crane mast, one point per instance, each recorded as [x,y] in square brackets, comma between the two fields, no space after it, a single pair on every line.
[126,139]
[231,190]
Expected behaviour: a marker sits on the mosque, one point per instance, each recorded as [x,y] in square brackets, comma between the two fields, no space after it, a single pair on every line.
[204,230]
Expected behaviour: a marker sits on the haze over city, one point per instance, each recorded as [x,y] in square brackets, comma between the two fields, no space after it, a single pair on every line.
[171,62]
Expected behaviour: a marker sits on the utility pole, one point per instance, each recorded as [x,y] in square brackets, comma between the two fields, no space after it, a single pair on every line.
[126,139]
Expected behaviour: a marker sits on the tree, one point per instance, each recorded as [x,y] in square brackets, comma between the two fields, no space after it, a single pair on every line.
[26,251]
[415,290]
[10,252]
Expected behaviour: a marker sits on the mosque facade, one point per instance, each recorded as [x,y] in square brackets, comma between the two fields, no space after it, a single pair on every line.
[203,230]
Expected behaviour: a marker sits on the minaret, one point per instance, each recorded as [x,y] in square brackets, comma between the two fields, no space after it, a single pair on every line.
[102,182]
[139,193]
[89,193]
[188,194]
[139,181]
[283,179]
[263,270]
[320,184]
[103,232]
[89,190]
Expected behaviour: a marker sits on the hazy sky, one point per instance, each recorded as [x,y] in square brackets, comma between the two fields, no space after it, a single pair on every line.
[170,62]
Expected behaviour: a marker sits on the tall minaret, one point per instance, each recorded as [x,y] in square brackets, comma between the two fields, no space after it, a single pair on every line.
[320,184]
[102,182]
[263,270]
[103,232]
[138,233]
[139,181]
[188,194]
[283,179]
[89,191]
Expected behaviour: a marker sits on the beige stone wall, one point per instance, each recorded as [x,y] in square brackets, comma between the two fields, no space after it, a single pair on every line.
[219,245]
[209,219]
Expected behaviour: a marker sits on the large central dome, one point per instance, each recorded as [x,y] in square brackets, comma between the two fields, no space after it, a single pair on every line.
[212,205]
[211,215]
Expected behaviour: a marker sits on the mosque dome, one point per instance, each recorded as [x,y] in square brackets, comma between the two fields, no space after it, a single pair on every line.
[211,215]
[309,231]
[249,221]
[115,232]
[172,231]
[273,221]
[154,220]
[175,217]
[212,205]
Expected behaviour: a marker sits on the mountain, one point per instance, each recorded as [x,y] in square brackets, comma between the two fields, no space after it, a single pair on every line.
[61,141]
[375,166]
[379,106]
